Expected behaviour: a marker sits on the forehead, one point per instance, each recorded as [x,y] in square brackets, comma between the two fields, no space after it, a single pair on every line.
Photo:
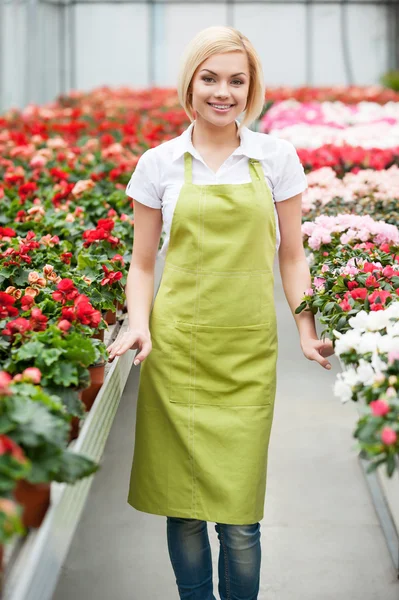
[227,63]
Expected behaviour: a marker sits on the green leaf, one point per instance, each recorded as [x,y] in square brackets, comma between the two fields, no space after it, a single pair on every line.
[30,350]
[301,307]
[80,349]
[74,467]
[51,355]
[70,399]
[66,374]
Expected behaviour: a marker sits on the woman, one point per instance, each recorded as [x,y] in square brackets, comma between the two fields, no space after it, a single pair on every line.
[227,198]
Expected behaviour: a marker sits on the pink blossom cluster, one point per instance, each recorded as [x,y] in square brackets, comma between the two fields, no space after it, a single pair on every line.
[337,115]
[313,124]
[351,227]
[324,186]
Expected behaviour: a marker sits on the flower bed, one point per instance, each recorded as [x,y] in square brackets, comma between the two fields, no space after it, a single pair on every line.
[355,277]
[375,193]
[311,125]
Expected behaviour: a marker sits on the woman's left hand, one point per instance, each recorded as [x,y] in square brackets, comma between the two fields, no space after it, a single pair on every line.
[315,349]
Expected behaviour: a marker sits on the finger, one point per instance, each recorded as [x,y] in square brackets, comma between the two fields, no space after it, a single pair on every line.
[144,352]
[321,360]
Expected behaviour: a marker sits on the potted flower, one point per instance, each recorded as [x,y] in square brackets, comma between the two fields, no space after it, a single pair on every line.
[38,424]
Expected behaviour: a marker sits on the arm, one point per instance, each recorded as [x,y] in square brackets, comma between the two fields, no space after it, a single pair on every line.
[140,283]
[296,278]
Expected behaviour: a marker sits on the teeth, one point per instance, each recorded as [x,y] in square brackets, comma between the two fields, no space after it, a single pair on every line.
[221,106]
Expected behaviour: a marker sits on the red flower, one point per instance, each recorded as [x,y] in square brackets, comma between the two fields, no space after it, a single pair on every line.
[379,408]
[379,297]
[369,267]
[8,446]
[359,294]
[345,305]
[372,282]
[64,325]
[19,325]
[66,290]
[388,271]
[27,301]
[66,257]
[7,232]
[111,276]
[26,189]
[106,224]
[6,306]
[118,258]
[38,320]
[68,313]
[352,285]
[86,313]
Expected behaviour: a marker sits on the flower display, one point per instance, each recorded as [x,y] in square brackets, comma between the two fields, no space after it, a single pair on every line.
[363,192]
[310,125]
[369,352]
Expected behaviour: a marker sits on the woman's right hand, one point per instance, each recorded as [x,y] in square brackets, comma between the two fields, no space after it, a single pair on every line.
[131,339]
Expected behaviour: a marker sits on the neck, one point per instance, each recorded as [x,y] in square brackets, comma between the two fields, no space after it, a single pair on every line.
[206,134]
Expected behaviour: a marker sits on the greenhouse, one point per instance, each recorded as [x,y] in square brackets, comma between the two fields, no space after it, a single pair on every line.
[199,300]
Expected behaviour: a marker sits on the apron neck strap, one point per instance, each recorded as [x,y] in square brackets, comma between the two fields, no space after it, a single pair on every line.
[188,168]
[255,169]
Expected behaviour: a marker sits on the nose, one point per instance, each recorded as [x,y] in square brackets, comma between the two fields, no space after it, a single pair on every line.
[222,91]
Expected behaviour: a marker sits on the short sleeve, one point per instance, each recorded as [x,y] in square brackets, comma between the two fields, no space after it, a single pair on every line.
[289,178]
[144,183]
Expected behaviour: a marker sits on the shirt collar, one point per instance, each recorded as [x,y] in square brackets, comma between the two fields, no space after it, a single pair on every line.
[249,144]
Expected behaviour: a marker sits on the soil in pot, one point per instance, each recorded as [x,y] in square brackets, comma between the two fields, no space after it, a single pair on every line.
[35,499]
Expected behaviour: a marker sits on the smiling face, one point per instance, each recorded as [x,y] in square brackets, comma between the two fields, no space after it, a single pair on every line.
[220,88]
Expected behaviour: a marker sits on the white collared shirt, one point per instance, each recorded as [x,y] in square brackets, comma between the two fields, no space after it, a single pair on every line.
[159,174]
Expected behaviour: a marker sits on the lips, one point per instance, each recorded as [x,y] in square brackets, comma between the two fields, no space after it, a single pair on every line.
[221,110]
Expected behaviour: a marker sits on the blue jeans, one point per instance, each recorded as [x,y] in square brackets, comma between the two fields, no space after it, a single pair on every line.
[239,559]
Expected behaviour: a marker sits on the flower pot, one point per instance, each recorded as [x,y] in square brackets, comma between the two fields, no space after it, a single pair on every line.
[1,569]
[120,306]
[74,428]
[110,317]
[99,335]
[96,381]
[35,500]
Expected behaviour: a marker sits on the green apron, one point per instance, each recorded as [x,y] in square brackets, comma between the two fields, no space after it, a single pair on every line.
[206,393]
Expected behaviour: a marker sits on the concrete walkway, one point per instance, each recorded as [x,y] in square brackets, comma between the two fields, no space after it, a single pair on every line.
[321,539]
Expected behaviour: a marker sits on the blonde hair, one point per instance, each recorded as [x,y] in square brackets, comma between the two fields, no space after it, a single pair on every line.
[217,40]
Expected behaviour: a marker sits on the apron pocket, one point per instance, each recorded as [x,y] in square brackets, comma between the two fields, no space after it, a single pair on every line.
[226,366]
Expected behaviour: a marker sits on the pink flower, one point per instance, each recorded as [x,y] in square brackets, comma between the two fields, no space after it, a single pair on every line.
[318,281]
[64,325]
[325,268]
[379,408]
[33,373]
[5,380]
[309,292]
[345,305]
[388,436]
[393,355]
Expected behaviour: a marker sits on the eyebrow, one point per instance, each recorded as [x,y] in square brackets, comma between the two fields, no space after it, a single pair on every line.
[213,73]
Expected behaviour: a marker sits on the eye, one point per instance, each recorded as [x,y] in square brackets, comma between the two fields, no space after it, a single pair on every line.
[207,78]
[237,81]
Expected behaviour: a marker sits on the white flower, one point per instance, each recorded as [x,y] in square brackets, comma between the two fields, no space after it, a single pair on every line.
[359,321]
[368,342]
[348,341]
[377,320]
[388,343]
[365,372]
[377,363]
[342,390]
